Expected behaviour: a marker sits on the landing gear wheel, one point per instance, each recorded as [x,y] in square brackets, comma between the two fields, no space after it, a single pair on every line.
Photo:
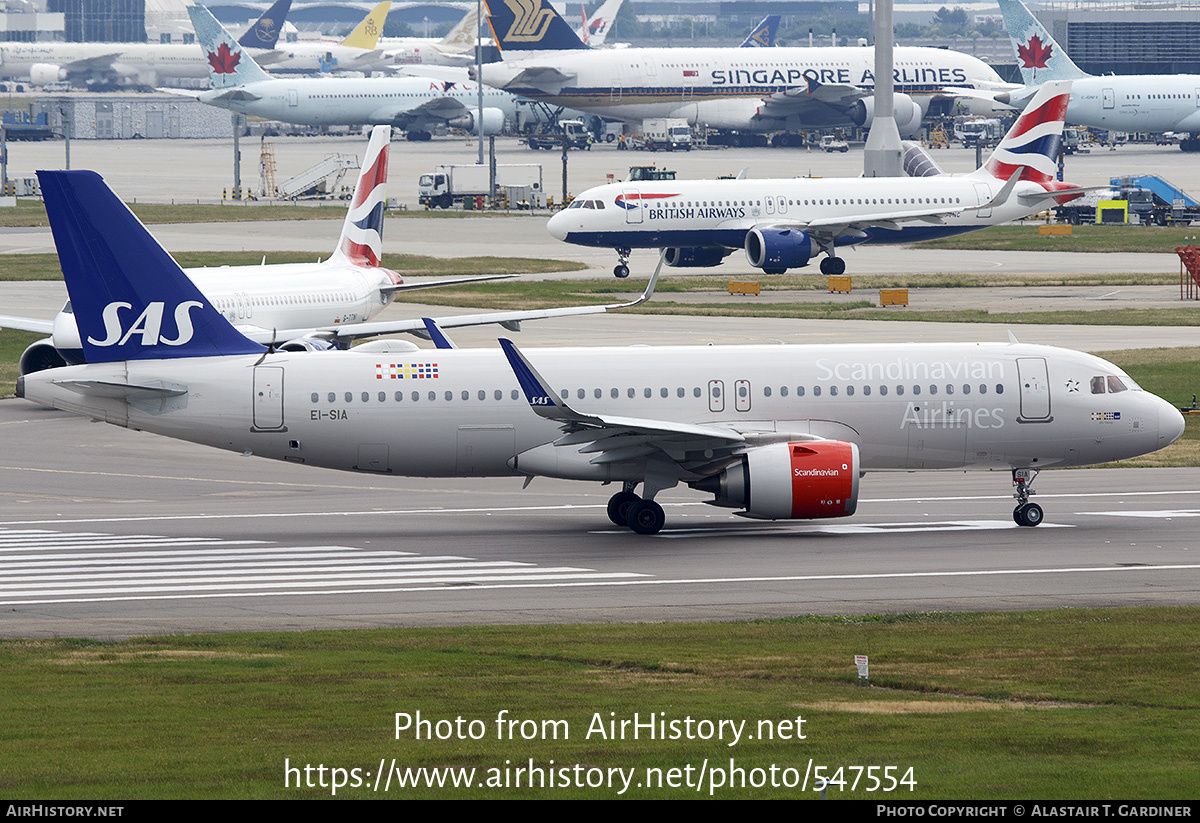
[1028,514]
[646,517]
[622,268]
[618,507]
[833,265]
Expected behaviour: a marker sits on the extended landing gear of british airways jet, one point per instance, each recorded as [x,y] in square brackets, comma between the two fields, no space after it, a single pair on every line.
[631,511]
[833,265]
[622,267]
[1026,513]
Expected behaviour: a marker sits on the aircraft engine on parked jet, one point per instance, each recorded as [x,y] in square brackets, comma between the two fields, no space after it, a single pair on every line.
[493,121]
[308,344]
[43,74]
[908,114]
[695,256]
[802,480]
[39,356]
[776,249]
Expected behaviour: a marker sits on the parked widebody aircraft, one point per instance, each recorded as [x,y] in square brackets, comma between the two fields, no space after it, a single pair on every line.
[761,90]
[784,223]
[415,104]
[302,306]
[149,64]
[778,432]
[457,48]
[358,52]
[1135,102]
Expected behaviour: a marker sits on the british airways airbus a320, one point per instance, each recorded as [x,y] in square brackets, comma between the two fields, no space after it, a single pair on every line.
[784,223]
[776,432]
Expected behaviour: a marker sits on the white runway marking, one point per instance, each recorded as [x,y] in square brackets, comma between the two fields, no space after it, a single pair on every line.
[438,510]
[56,567]
[1165,514]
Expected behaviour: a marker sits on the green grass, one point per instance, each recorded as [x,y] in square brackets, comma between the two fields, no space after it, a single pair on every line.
[30,213]
[45,266]
[1137,239]
[1083,704]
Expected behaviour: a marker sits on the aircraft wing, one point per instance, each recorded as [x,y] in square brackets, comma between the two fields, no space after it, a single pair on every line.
[815,103]
[270,58]
[26,324]
[440,108]
[349,332]
[545,78]
[88,65]
[508,319]
[437,284]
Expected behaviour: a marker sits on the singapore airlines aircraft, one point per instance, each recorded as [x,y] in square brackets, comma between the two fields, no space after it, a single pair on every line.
[763,90]
[784,223]
[777,432]
[304,306]
[414,104]
[1134,102]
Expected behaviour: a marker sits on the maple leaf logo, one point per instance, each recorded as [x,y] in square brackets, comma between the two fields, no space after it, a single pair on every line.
[224,61]
[1035,53]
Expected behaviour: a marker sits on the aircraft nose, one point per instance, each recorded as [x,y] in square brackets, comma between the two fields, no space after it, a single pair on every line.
[1170,423]
[558,226]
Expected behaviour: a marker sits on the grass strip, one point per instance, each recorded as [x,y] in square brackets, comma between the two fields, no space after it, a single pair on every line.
[1086,238]
[1051,705]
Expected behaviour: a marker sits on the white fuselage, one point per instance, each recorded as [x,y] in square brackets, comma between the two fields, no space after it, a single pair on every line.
[725,88]
[1157,102]
[286,299]
[379,101]
[710,213]
[144,63]
[460,412]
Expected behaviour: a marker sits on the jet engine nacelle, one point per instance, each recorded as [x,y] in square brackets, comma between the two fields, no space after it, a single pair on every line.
[43,74]
[493,121]
[695,257]
[908,114]
[308,344]
[803,480]
[40,356]
[775,249]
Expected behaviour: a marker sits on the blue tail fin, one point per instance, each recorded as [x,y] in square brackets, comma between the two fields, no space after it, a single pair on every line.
[131,300]
[264,34]
[763,35]
[530,25]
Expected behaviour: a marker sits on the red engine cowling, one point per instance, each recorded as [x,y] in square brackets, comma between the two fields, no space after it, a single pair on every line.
[805,480]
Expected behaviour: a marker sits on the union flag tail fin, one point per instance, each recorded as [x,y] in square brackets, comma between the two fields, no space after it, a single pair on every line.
[361,242]
[1031,145]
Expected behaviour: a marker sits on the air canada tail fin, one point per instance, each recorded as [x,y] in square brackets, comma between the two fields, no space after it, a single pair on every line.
[131,300]
[1039,57]
[361,242]
[1031,145]
[264,33]
[228,64]
[366,34]
[530,25]
[763,35]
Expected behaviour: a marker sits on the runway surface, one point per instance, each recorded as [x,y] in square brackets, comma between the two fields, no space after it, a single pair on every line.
[111,533]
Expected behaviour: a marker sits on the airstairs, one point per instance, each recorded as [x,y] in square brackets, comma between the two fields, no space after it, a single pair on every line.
[322,181]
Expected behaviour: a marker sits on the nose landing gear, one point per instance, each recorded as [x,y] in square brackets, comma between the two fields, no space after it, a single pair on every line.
[622,268]
[1026,513]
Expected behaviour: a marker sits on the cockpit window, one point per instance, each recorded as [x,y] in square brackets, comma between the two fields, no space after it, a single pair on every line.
[589,204]
[576,204]
[1098,384]
[1114,384]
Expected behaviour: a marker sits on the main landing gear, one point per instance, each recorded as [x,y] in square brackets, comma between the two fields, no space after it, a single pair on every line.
[833,265]
[1026,513]
[622,267]
[628,510]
